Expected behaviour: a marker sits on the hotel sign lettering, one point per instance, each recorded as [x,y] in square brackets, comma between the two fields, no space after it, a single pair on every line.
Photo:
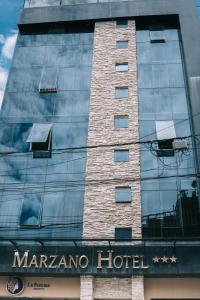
[98,261]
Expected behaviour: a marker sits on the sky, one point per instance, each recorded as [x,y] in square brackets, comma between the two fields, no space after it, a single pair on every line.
[9,14]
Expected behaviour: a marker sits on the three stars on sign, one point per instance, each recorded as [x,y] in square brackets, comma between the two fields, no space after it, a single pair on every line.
[165,259]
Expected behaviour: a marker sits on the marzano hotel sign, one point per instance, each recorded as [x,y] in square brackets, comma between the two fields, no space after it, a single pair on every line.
[99,262]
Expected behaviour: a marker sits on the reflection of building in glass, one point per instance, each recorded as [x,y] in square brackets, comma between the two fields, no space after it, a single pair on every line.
[100,152]
[183,220]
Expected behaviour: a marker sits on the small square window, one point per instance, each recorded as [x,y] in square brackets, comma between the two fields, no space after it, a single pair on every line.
[121,122]
[123,194]
[40,139]
[123,233]
[122,24]
[157,34]
[121,92]
[121,67]
[121,155]
[122,44]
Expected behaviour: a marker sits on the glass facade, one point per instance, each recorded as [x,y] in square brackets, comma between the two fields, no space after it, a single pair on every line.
[170,204]
[45,195]
[198,9]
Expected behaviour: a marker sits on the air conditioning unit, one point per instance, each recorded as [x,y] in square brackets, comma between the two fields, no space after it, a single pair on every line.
[180,144]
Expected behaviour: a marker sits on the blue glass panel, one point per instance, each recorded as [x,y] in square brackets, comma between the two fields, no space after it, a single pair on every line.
[31,210]
[160,75]
[70,103]
[24,79]
[198,13]
[165,52]
[32,40]
[175,73]
[145,53]
[29,56]
[123,194]
[20,135]
[172,35]
[6,135]
[147,130]
[145,76]
[121,155]
[11,105]
[37,104]
[69,135]
[143,36]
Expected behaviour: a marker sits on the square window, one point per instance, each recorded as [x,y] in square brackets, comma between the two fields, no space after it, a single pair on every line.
[123,233]
[123,194]
[121,122]
[157,34]
[121,92]
[40,139]
[122,44]
[121,67]
[122,24]
[121,155]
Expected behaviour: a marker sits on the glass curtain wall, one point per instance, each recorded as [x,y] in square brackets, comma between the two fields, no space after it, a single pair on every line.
[46,107]
[170,205]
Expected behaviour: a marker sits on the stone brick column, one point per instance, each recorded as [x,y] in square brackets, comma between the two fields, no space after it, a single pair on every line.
[86,288]
[137,288]
[101,213]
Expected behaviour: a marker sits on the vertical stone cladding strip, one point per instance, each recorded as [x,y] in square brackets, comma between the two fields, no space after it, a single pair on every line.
[113,288]
[86,289]
[101,213]
[137,288]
